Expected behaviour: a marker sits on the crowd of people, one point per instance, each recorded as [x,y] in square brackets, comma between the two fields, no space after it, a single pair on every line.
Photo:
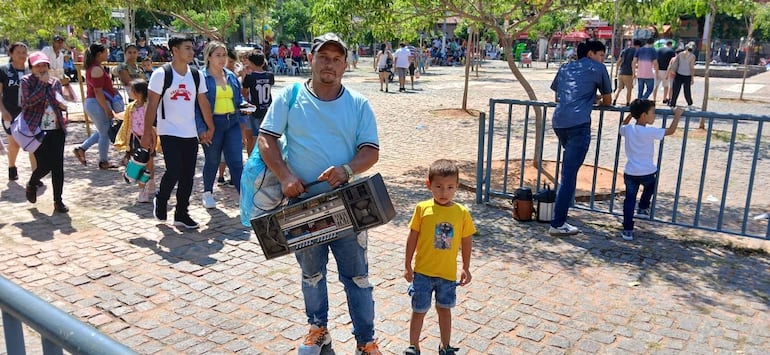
[178,108]
[672,69]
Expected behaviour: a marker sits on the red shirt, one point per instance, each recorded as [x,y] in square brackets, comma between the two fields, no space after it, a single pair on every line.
[105,82]
[296,51]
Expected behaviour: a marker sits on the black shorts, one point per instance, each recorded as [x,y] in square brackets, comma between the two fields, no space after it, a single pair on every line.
[384,70]
[411,69]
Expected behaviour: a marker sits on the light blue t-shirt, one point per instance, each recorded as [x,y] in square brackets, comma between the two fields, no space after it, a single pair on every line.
[320,134]
[575,85]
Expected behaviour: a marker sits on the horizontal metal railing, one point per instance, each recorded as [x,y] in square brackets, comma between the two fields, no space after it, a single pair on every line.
[59,331]
[712,182]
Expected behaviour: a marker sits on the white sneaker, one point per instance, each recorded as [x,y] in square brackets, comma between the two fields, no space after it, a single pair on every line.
[565,229]
[690,108]
[143,197]
[208,200]
[627,235]
[765,215]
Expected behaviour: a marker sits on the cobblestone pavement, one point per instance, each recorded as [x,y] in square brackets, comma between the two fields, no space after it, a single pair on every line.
[162,290]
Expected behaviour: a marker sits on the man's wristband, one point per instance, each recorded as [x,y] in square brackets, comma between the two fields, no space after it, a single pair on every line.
[348,170]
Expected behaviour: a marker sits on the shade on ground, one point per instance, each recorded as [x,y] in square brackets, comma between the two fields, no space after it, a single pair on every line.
[585,178]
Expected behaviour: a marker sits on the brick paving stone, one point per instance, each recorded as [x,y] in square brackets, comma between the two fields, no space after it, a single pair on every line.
[236,346]
[99,319]
[632,345]
[531,334]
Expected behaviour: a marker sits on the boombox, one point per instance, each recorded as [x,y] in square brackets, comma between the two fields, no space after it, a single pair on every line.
[349,209]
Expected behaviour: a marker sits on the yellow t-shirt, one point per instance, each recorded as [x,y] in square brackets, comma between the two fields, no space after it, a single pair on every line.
[441,230]
[224,100]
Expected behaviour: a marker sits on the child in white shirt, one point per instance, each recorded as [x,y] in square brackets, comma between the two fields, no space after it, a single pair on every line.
[640,150]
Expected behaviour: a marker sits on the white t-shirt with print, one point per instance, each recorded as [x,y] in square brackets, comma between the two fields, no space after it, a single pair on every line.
[640,148]
[179,102]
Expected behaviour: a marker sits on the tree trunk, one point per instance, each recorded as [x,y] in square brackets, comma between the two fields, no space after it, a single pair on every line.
[539,127]
[749,46]
[710,29]
[468,57]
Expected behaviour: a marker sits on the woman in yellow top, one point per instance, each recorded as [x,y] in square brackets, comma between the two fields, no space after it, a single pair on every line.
[224,92]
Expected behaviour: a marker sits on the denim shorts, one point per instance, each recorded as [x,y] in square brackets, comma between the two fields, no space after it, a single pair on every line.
[422,288]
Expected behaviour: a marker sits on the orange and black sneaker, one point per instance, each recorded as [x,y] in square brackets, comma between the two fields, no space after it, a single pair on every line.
[370,348]
[315,340]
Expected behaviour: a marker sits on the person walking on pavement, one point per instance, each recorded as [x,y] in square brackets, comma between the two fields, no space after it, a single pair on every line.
[224,96]
[42,104]
[665,54]
[575,85]
[10,81]
[97,106]
[646,65]
[625,73]
[176,127]
[402,57]
[381,65]
[323,108]
[684,75]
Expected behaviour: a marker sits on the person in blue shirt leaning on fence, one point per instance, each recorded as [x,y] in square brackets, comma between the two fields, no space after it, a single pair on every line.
[331,135]
[575,85]
[640,169]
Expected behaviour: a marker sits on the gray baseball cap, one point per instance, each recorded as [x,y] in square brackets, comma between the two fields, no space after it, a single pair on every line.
[329,38]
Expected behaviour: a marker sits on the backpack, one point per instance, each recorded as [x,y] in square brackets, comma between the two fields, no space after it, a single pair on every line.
[255,200]
[168,77]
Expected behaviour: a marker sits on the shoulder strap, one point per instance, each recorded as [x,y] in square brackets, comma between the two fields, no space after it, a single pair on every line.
[294,92]
[168,77]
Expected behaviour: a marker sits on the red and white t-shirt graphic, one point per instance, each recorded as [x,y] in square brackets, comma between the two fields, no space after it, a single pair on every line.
[181,92]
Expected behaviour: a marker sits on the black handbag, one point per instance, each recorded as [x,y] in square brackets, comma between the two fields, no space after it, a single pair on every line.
[114,128]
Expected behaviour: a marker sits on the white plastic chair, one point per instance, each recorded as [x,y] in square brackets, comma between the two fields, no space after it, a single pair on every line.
[292,66]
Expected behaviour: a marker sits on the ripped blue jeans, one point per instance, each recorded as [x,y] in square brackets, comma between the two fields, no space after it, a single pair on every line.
[353,269]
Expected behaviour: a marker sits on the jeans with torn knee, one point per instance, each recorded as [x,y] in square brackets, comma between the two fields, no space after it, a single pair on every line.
[353,269]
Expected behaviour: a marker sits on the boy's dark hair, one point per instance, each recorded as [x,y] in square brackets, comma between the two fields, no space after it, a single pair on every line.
[130,45]
[650,40]
[443,168]
[638,42]
[640,106]
[595,46]
[140,87]
[231,55]
[258,58]
[176,40]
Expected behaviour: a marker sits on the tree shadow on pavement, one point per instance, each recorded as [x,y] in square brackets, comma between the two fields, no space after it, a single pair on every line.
[43,227]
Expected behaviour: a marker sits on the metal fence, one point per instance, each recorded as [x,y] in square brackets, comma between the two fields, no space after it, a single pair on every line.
[59,331]
[714,179]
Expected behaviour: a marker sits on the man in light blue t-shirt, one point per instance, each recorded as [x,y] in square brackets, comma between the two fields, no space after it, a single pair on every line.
[331,135]
[575,85]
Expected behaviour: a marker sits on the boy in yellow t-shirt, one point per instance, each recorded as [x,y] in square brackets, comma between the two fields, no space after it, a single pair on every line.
[438,229]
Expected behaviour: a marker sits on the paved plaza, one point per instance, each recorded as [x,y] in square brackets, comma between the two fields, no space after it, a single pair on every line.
[162,290]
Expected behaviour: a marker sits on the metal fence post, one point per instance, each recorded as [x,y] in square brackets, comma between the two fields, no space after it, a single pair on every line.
[480,157]
[14,335]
